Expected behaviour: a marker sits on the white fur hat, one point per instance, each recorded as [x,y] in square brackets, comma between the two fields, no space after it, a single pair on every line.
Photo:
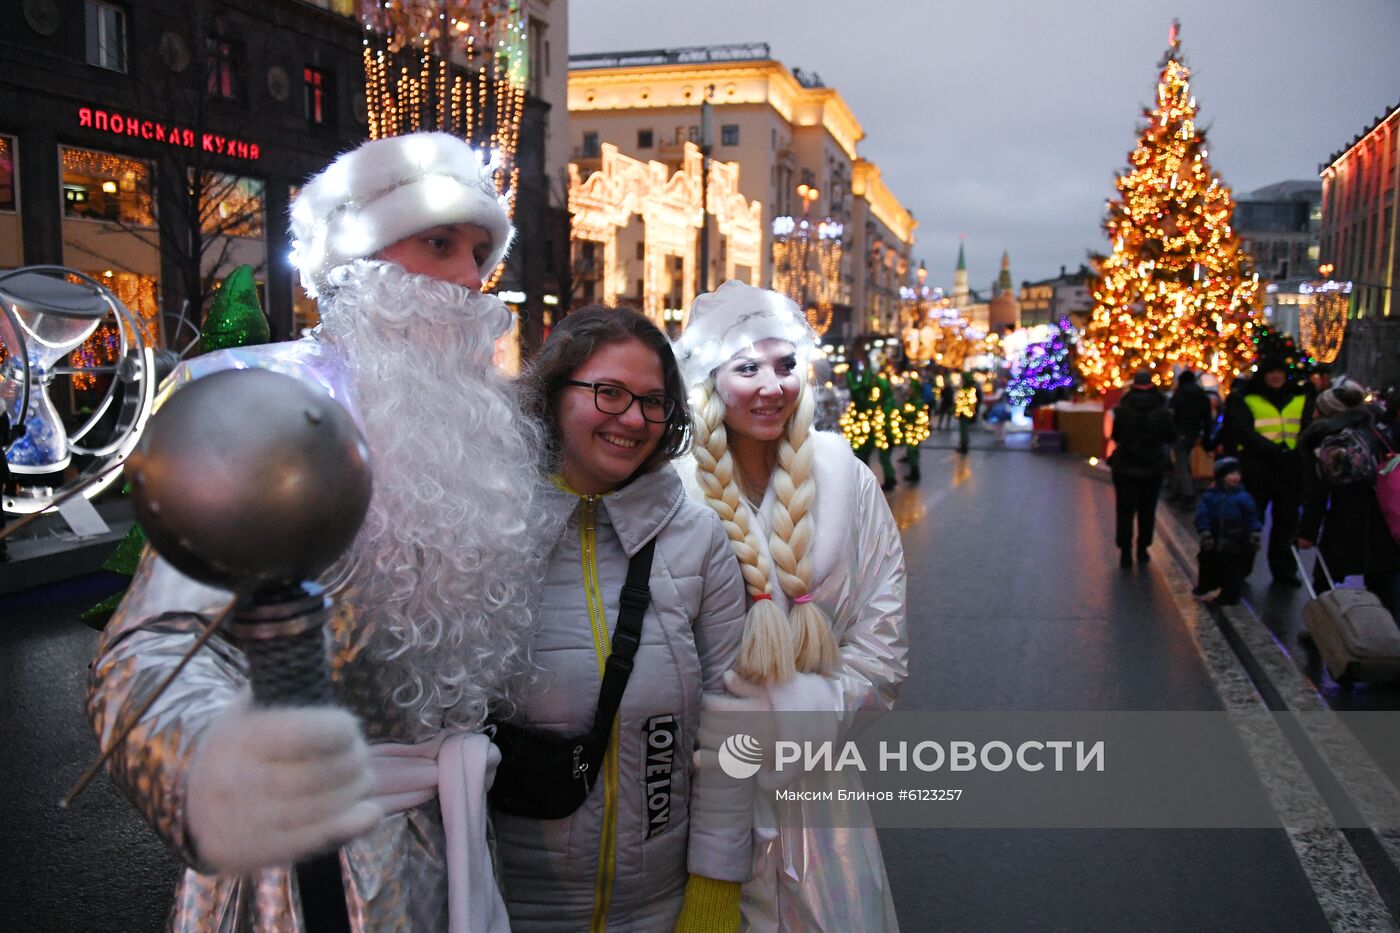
[388,189]
[732,318]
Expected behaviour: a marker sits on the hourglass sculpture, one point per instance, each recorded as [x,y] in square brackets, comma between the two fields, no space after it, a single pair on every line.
[46,312]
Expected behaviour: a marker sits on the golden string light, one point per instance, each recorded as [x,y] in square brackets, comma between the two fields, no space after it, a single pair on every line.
[1322,320]
[138,293]
[807,266]
[454,65]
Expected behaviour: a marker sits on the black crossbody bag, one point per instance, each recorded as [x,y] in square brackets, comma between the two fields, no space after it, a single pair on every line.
[548,777]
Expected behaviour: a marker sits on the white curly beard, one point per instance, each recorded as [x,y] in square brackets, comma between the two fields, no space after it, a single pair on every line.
[445,564]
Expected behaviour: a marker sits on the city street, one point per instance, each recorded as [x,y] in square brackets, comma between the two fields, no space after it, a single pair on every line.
[1016,602]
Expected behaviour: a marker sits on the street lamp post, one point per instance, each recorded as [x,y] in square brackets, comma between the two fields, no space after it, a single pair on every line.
[706,144]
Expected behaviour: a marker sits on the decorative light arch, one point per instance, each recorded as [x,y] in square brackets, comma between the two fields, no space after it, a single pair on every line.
[669,206]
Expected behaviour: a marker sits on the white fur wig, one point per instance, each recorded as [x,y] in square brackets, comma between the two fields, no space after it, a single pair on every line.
[388,189]
[733,318]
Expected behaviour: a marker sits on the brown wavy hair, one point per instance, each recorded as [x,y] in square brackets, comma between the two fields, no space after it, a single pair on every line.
[571,343]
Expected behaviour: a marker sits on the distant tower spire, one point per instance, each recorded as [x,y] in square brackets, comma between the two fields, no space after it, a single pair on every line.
[960,289]
[1004,280]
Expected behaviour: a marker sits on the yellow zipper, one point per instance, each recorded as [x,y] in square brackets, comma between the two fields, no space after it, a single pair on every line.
[602,647]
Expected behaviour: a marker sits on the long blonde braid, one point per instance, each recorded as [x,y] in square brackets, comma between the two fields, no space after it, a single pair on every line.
[790,543]
[767,652]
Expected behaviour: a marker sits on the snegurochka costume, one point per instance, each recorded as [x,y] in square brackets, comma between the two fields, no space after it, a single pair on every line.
[808,876]
[396,876]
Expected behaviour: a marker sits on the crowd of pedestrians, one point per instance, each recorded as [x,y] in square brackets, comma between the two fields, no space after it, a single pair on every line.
[1303,454]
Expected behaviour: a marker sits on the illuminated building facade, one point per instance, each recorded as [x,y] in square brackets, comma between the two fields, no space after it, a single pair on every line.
[1359,245]
[121,123]
[792,143]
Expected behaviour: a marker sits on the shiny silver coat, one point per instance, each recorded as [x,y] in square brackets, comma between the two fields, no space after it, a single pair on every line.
[811,878]
[395,876]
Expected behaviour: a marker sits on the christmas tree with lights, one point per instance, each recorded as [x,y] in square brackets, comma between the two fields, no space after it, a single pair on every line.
[1177,290]
[1045,368]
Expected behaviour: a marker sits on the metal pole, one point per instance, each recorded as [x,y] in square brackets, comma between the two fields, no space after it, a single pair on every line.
[706,142]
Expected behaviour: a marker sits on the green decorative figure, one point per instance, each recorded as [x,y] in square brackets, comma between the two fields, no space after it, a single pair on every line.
[866,422]
[235,319]
[911,421]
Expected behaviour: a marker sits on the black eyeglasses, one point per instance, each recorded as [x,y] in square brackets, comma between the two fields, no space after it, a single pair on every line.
[615,400]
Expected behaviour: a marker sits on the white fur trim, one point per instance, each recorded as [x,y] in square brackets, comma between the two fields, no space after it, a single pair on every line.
[732,318]
[388,189]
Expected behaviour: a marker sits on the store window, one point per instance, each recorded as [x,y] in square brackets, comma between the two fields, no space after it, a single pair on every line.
[106,35]
[104,186]
[314,84]
[232,206]
[8,170]
[223,69]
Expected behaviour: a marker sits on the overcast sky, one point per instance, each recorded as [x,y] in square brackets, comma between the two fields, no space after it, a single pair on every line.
[1007,120]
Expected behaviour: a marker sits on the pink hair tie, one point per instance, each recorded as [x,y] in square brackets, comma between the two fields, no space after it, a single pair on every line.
[799,600]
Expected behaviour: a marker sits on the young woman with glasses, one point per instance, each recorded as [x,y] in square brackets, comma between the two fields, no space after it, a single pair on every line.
[824,569]
[645,841]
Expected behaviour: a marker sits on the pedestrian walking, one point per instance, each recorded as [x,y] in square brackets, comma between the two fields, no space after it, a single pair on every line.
[1265,427]
[967,404]
[8,435]
[1142,427]
[1344,520]
[645,845]
[824,569]
[1191,416]
[429,626]
[1227,521]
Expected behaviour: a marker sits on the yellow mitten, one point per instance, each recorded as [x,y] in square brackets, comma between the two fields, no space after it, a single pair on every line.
[710,906]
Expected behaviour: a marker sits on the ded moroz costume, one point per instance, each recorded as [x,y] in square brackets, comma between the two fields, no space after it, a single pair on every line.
[430,619]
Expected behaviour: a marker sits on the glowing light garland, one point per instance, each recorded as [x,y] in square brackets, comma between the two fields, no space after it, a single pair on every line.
[1177,288]
[138,293]
[1322,319]
[454,65]
[807,266]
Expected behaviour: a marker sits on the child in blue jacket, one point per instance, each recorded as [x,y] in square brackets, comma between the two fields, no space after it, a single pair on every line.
[1227,519]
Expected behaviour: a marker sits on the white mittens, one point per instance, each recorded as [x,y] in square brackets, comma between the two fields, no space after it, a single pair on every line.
[272,786]
[804,710]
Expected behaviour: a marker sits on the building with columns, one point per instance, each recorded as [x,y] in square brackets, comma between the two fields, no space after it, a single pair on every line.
[789,202]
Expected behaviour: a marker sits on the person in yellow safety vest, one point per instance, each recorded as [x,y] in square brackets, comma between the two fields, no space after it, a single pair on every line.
[1266,429]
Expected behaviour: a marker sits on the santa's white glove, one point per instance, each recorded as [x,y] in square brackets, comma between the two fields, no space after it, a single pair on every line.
[272,786]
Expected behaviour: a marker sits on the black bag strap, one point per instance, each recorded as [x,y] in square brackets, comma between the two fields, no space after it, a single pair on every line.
[636,596]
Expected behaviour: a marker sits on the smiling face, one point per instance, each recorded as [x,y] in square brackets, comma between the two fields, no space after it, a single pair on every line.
[600,451]
[759,388]
[450,252]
